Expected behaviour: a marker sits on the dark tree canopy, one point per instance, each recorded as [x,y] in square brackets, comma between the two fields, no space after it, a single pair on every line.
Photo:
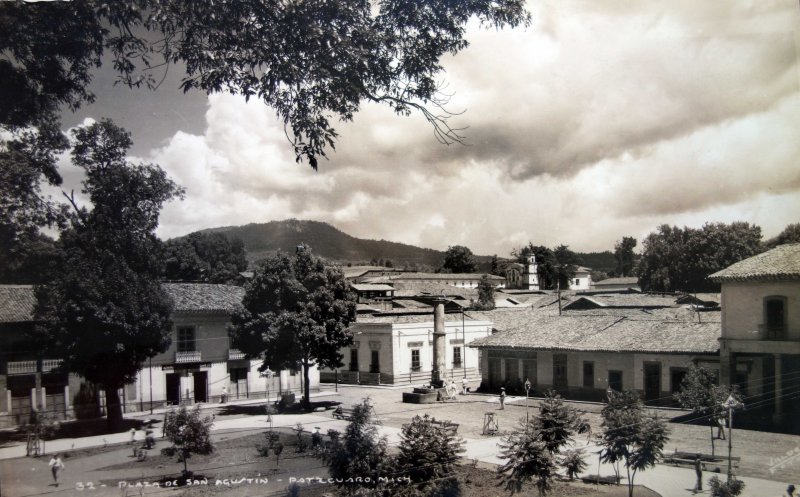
[104,311]
[554,266]
[623,253]
[28,157]
[485,294]
[296,311]
[790,234]
[681,259]
[458,259]
[209,257]
[312,61]
[428,455]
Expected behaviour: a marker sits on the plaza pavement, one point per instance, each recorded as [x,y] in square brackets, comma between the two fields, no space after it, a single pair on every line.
[669,481]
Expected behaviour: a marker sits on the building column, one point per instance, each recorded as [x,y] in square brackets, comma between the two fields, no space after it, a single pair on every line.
[43,392]
[439,344]
[725,364]
[8,402]
[778,389]
[66,401]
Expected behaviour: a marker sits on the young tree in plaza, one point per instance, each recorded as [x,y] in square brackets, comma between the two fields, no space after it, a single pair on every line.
[532,449]
[630,436]
[104,311]
[700,392]
[429,454]
[360,453]
[296,311]
[189,433]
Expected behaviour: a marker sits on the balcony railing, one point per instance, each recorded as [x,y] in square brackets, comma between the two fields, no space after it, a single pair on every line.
[50,364]
[772,331]
[21,367]
[235,354]
[192,356]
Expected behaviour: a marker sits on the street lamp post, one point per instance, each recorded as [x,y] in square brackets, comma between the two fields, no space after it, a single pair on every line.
[527,392]
[730,404]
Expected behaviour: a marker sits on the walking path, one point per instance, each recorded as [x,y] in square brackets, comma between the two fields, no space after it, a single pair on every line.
[667,480]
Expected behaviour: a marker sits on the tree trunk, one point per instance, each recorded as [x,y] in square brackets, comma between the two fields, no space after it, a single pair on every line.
[712,440]
[113,408]
[630,483]
[306,384]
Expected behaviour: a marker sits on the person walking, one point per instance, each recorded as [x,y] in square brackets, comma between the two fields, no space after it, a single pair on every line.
[698,471]
[502,398]
[464,386]
[224,396]
[56,466]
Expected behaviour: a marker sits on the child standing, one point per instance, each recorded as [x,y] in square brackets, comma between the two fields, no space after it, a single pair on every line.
[56,465]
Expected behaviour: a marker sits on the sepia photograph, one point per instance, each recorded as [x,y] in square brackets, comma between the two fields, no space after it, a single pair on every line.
[242,243]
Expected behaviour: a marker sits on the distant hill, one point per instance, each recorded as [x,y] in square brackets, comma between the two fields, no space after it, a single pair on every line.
[265,239]
[262,240]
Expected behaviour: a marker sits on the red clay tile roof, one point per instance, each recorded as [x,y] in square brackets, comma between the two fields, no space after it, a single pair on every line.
[16,303]
[534,330]
[204,297]
[780,263]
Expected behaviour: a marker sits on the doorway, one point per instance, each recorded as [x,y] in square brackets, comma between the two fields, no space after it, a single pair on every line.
[173,388]
[200,386]
[652,381]
[560,372]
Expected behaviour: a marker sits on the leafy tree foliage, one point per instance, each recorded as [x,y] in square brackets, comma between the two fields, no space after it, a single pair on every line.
[623,253]
[532,449]
[458,259]
[629,436]
[566,263]
[573,463]
[295,311]
[360,453]
[790,234]
[554,266]
[700,392]
[485,294]
[675,259]
[207,257]
[721,488]
[429,455]
[189,433]
[27,157]
[104,312]
[310,61]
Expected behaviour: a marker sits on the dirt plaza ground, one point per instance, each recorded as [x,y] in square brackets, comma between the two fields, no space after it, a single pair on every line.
[764,463]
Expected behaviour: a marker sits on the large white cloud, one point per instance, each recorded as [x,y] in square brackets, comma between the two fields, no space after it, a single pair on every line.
[601,120]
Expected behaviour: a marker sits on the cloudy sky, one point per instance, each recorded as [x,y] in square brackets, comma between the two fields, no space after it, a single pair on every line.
[602,119]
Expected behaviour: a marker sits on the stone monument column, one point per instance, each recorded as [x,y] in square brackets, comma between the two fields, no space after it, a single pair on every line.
[439,344]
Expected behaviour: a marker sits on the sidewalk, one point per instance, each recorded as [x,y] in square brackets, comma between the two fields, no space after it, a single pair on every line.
[669,481]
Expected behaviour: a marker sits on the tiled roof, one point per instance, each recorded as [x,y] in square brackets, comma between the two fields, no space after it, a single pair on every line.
[632,281]
[443,276]
[780,263]
[204,297]
[356,271]
[16,303]
[411,318]
[416,288]
[544,331]
[368,287]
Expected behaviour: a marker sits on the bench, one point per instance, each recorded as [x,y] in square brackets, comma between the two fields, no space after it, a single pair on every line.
[709,463]
[345,413]
[450,428]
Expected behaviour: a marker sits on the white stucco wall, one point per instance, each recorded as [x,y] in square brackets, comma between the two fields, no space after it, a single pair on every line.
[743,308]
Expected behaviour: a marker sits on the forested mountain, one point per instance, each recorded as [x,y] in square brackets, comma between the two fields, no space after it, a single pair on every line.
[264,239]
